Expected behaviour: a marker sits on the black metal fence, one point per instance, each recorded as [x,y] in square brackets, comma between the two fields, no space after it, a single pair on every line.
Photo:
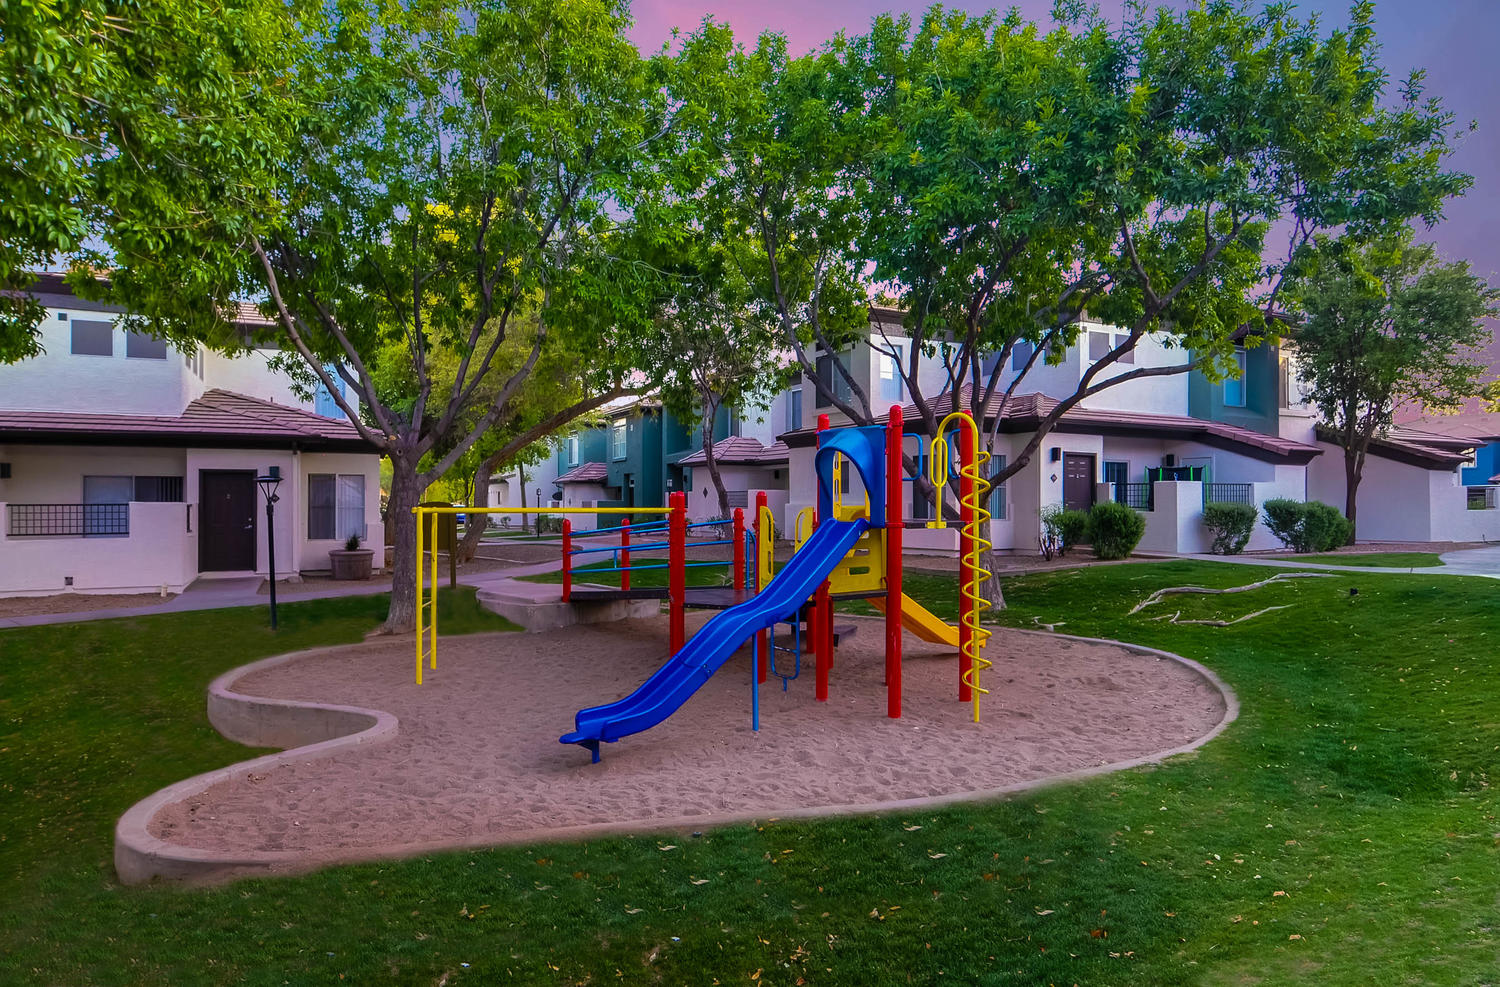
[1136,495]
[83,520]
[1228,493]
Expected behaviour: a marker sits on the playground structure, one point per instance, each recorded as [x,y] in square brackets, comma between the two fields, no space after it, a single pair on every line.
[849,551]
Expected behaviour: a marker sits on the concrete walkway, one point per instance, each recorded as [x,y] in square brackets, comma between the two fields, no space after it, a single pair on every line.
[221,594]
[1467,562]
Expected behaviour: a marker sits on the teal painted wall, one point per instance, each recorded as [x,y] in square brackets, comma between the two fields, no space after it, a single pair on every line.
[1262,382]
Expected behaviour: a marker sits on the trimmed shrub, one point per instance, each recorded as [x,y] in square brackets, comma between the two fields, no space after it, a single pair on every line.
[1284,518]
[1310,526]
[1324,527]
[1230,525]
[1075,528]
[548,524]
[1115,530]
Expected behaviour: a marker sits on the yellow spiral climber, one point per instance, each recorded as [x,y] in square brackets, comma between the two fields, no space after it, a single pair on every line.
[974,516]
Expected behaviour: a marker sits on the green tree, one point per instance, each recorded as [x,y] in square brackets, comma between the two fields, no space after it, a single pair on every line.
[1387,324]
[131,124]
[715,349]
[1004,179]
[455,180]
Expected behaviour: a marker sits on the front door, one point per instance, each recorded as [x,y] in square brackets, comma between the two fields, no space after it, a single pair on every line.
[1078,481]
[226,521]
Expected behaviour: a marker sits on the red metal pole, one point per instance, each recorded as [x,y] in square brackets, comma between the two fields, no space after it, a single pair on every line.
[893,531]
[968,447]
[567,559]
[625,553]
[677,569]
[739,550]
[760,502]
[820,629]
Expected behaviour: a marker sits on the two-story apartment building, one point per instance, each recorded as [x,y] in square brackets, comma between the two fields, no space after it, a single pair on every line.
[128,466]
[1419,480]
[1129,442]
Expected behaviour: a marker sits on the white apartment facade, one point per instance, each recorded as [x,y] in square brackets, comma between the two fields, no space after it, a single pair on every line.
[127,466]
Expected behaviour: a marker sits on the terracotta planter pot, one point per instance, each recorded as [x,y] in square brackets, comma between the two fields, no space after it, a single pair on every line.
[352,565]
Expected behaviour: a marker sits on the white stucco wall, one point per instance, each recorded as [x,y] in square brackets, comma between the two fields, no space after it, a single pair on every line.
[57,380]
[159,554]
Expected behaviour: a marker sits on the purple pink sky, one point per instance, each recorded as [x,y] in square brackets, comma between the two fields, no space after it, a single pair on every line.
[1454,40]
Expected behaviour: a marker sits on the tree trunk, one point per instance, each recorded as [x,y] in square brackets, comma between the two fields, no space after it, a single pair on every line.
[476,523]
[709,413]
[713,473]
[521,479]
[1353,470]
[406,493]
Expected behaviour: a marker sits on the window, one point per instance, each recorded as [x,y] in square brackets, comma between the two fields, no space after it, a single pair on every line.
[1116,472]
[1020,354]
[572,450]
[93,338]
[158,489]
[324,402]
[794,409]
[890,378]
[1234,387]
[1099,345]
[617,437]
[139,346]
[997,493]
[335,506]
[832,379]
[102,497]
[1129,355]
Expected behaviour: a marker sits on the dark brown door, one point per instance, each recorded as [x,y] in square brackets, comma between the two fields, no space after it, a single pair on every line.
[226,521]
[1078,481]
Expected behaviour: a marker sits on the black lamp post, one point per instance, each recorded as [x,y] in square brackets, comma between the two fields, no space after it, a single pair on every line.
[268,485]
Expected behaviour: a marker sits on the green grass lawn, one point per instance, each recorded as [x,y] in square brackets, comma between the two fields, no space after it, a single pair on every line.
[1343,831]
[716,574]
[1393,560]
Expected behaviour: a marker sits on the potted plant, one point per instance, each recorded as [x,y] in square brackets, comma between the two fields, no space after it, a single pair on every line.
[351,562]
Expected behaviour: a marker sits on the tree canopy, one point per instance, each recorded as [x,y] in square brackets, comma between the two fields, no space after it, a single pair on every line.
[1387,324]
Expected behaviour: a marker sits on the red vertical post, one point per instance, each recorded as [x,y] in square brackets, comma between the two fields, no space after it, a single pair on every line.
[567,559]
[625,553]
[820,629]
[739,550]
[677,569]
[894,513]
[968,449]
[760,504]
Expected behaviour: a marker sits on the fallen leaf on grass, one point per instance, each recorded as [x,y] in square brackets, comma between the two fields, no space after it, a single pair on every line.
[698,880]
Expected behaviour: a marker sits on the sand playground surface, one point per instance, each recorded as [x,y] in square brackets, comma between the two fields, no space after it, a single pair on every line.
[476,759]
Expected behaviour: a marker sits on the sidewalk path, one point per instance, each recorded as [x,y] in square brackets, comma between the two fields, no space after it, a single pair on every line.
[220,594]
[1467,562]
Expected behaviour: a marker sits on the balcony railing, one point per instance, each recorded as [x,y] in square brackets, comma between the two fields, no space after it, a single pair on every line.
[82,520]
[1136,495]
[1228,493]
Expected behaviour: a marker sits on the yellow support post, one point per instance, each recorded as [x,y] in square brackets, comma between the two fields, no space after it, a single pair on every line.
[426,631]
[432,618]
[420,596]
[972,503]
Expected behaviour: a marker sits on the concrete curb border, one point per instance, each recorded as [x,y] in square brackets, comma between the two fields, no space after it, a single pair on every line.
[308,730]
[141,857]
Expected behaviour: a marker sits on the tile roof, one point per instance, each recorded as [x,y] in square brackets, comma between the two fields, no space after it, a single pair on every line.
[585,473]
[218,419]
[1024,412]
[740,449]
[1478,426]
[1413,446]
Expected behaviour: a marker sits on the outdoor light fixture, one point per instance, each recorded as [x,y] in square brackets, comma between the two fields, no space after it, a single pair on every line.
[268,484]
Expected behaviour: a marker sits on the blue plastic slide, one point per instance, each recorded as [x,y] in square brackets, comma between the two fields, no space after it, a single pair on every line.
[671,685]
